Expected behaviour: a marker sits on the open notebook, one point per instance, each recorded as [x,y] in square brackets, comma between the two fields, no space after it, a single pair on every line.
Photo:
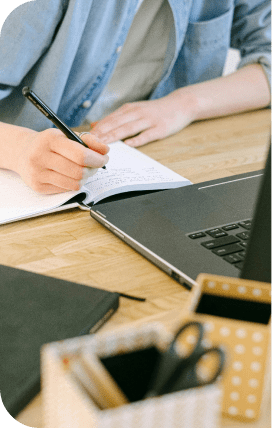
[127,170]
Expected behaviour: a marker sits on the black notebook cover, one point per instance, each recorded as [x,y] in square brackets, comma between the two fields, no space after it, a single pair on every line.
[34,310]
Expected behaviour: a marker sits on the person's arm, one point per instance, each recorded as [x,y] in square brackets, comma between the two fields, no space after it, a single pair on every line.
[245,89]
[48,161]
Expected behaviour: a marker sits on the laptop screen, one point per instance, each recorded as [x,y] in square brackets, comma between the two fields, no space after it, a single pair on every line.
[257,265]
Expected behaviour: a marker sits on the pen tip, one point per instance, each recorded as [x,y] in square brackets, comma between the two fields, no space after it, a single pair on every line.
[25,90]
[104,167]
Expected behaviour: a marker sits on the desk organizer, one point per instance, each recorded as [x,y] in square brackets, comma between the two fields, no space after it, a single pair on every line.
[246,341]
[67,404]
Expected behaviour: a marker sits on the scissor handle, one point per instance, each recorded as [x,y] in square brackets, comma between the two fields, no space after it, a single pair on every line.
[200,330]
[185,375]
[221,362]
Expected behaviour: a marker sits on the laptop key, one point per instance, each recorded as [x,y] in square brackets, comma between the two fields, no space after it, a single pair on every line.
[230,227]
[219,242]
[244,244]
[197,235]
[243,235]
[245,224]
[216,233]
[228,249]
[242,254]
[239,265]
[233,258]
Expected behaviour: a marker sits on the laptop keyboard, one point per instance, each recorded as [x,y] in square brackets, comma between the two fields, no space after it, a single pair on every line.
[228,241]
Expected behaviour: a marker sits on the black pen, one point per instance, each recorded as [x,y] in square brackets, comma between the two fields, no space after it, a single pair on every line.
[31,96]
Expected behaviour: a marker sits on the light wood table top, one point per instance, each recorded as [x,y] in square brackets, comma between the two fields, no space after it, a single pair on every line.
[71,245]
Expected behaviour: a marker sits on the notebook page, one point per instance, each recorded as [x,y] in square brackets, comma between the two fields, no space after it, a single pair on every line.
[128,169]
[17,200]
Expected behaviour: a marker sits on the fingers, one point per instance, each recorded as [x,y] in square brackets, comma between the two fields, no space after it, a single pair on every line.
[141,122]
[121,116]
[77,153]
[49,189]
[59,180]
[51,163]
[128,120]
[93,143]
[51,182]
[124,131]
[95,160]
[63,166]
[148,136]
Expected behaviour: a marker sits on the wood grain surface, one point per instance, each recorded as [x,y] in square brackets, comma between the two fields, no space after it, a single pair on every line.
[73,246]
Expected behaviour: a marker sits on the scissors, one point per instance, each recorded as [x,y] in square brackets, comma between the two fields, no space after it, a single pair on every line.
[175,372]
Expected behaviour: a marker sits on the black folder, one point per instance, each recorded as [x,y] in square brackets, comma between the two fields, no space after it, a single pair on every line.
[34,310]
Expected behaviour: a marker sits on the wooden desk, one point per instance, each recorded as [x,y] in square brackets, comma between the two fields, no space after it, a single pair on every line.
[73,246]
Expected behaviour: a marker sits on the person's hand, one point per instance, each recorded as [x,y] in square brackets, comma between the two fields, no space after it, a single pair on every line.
[51,163]
[141,122]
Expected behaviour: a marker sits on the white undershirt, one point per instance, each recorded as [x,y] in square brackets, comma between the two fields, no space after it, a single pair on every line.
[139,4]
[141,61]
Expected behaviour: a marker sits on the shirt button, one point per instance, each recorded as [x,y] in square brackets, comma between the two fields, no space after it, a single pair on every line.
[118,50]
[87,104]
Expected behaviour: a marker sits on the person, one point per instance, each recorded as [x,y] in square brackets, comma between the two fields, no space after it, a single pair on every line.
[141,69]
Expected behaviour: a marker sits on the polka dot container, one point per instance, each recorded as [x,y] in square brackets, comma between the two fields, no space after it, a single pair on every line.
[66,404]
[247,344]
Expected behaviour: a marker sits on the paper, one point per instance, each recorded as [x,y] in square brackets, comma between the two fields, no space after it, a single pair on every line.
[18,200]
[127,170]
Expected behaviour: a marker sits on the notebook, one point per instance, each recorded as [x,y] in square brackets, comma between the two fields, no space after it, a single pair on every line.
[202,228]
[37,309]
[127,170]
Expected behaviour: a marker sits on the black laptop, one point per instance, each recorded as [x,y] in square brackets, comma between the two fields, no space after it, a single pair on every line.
[219,227]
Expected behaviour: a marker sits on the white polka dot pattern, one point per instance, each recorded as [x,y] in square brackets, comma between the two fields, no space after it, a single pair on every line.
[209,326]
[251,398]
[211,284]
[239,349]
[236,380]
[224,331]
[235,396]
[246,344]
[257,337]
[233,410]
[253,383]
[250,413]
[237,366]
[255,366]
[241,333]
[257,350]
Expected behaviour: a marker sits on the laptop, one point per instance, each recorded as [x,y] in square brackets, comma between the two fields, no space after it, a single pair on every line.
[220,227]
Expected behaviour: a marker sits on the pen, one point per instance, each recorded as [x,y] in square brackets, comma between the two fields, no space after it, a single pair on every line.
[31,96]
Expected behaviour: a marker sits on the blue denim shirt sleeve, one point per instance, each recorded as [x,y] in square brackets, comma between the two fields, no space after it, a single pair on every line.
[251,33]
[26,35]
[66,50]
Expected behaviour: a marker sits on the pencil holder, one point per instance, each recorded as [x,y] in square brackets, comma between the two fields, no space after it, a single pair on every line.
[236,314]
[68,404]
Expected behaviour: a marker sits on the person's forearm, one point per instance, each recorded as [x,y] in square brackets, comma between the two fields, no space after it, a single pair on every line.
[245,89]
[12,139]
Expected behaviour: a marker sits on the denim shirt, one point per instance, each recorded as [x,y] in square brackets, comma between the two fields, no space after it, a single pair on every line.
[66,50]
